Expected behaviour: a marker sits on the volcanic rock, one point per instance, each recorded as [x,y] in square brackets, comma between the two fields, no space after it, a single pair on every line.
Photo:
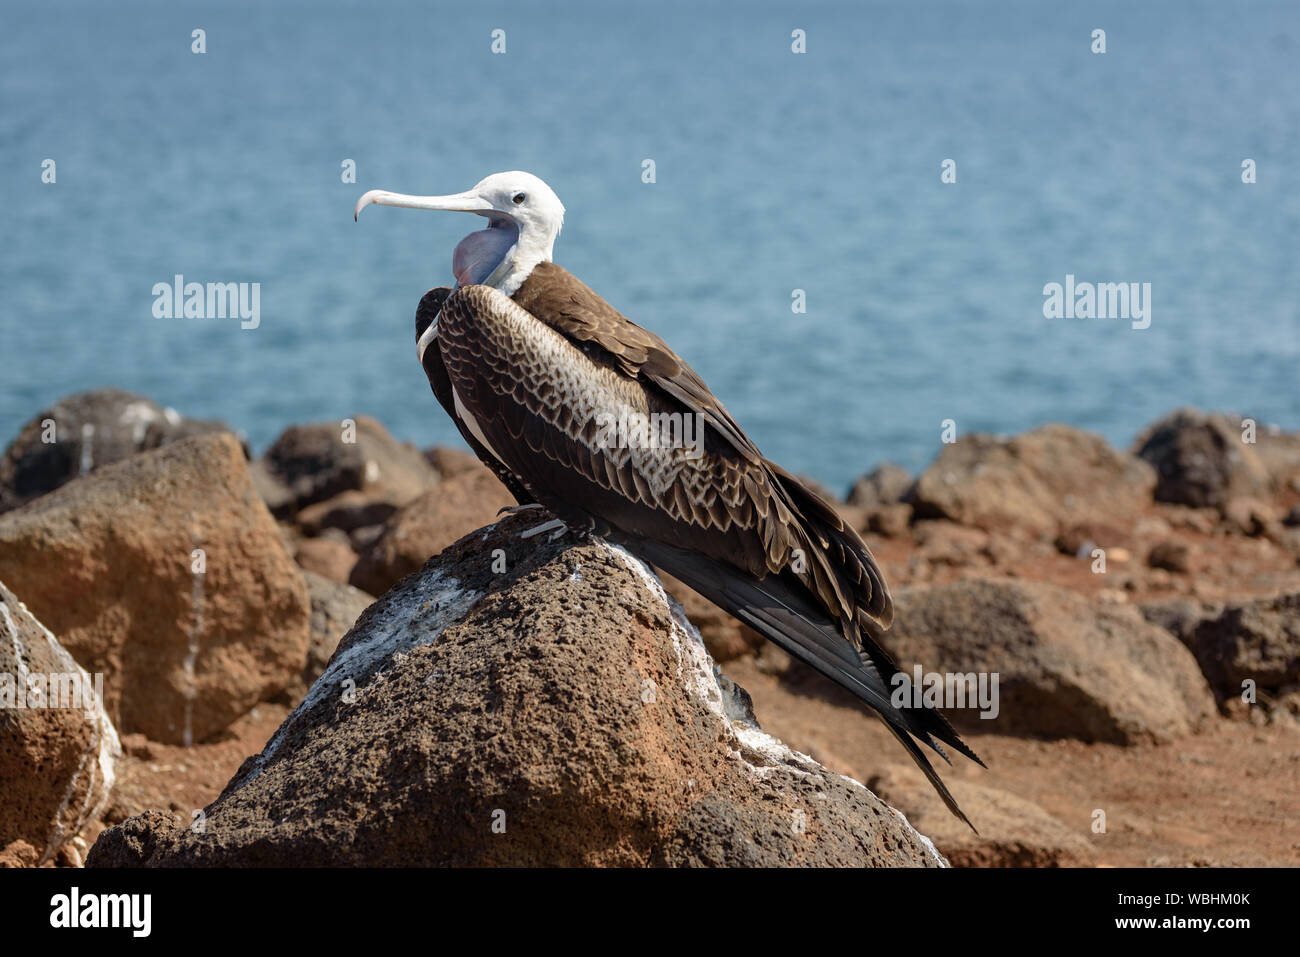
[166,573]
[1255,640]
[82,432]
[58,748]
[558,712]
[1043,479]
[312,463]
[1067,666]
[1201,459]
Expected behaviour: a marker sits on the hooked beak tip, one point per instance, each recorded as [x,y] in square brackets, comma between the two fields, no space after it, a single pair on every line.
[372,196]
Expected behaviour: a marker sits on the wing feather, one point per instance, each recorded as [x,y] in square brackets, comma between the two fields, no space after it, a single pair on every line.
[513,369]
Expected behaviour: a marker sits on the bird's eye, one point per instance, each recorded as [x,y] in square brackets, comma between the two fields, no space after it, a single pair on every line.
[518,198]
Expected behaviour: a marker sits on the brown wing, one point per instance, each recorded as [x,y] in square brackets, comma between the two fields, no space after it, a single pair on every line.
[539,382]
[566,304]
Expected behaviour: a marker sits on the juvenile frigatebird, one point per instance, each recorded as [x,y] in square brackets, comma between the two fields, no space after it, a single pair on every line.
[532,366]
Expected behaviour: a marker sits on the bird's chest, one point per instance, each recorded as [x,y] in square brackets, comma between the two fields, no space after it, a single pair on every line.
[459,410]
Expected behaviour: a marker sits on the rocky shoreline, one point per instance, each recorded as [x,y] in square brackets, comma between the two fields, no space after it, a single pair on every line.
[337,653]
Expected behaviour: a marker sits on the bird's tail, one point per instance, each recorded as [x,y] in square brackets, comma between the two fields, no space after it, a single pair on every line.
[775,609]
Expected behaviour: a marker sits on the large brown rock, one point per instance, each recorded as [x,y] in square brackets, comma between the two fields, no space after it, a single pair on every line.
[1067,666]
[312,463]
[1203,459]
[58,749]
[1256,641]
[561,712]
[1052,476]
[1013,831]
[166,573]
[89,430]
[429,524]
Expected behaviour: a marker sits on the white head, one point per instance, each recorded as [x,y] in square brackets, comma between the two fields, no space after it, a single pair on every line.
[524,218]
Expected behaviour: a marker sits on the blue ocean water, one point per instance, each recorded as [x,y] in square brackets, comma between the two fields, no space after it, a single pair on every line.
[775,171]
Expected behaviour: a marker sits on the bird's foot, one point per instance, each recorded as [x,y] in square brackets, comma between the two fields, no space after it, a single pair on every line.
[516,509]
[554,526]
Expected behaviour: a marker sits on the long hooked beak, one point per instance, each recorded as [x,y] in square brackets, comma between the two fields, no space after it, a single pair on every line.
[466,202]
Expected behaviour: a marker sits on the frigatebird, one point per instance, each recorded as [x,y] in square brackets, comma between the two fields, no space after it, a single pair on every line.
[532,365]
